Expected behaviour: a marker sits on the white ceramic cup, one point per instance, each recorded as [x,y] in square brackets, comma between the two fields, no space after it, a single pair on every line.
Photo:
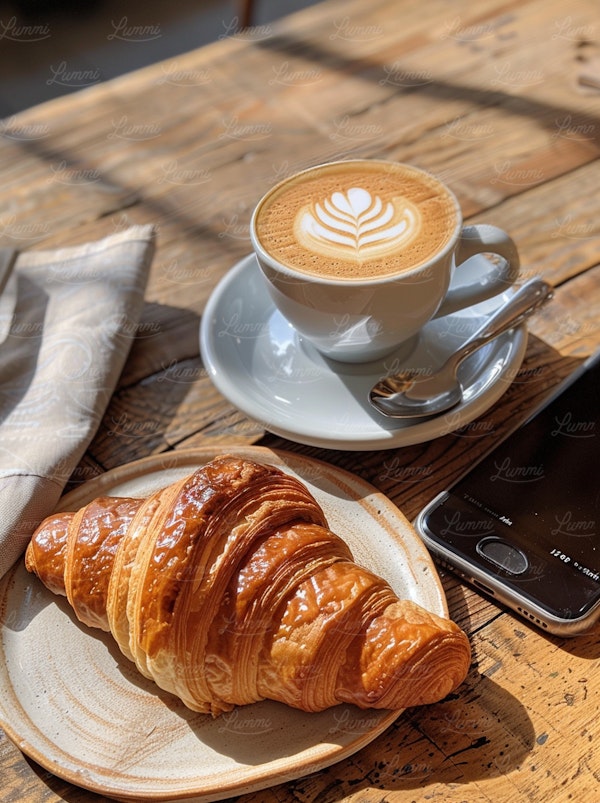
[360,319]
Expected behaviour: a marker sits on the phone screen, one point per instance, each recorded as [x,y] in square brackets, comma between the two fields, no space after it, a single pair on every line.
[528,513]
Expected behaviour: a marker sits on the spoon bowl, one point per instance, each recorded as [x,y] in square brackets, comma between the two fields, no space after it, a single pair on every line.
[417,393]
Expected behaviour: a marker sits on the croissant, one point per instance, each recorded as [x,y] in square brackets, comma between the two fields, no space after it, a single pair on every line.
[227,587]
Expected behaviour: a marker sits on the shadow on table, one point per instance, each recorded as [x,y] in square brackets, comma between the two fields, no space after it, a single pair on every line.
[478,734]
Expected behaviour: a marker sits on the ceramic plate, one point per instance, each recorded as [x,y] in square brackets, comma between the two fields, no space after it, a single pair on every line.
[258,361]
[74,704]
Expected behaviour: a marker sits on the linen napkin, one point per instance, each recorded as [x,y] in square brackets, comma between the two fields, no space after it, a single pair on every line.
[67,320]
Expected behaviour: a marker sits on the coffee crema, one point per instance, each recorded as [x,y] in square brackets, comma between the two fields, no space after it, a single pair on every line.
[356,220]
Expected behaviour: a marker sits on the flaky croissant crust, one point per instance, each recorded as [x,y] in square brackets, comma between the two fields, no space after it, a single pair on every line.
[227,587]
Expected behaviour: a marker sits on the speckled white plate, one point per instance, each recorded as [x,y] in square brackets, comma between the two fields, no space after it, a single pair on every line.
[73,703]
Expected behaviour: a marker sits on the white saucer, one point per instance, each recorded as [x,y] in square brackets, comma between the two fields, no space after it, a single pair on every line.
[259,362]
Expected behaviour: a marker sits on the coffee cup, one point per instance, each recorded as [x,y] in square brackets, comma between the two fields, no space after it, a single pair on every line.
[359,255]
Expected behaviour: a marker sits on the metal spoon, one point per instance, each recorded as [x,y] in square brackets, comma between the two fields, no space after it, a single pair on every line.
[413,394]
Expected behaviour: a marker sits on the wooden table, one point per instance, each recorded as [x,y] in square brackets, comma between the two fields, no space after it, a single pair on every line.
[502,100]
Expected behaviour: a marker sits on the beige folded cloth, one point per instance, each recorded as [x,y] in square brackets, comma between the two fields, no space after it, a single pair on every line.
[67,319]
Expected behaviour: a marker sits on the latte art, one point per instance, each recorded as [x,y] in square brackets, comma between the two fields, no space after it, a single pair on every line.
[355,220]
[358,224]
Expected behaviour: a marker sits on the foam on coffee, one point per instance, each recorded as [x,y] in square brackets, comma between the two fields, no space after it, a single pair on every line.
[356,220]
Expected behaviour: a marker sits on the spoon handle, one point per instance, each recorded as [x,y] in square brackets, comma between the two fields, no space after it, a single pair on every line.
[528,298]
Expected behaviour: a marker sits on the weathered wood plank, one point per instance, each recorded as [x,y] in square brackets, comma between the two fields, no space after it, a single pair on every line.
[244,133]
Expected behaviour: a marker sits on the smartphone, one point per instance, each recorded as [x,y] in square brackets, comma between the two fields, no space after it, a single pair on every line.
[523,525]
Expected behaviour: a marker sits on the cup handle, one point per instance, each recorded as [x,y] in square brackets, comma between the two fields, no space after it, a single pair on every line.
[481,239]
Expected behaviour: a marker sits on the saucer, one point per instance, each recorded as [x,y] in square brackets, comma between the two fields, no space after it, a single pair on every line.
[260,363]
